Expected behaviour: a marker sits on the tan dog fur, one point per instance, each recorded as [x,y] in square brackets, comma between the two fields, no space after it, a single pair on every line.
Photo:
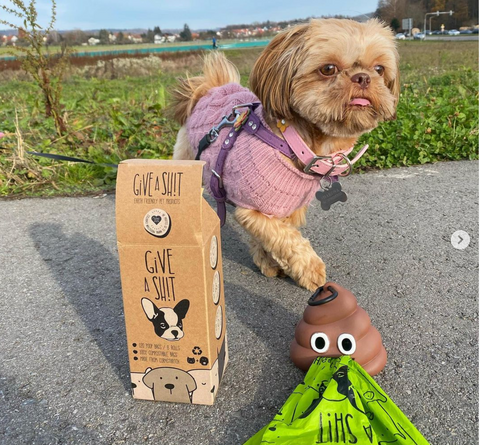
[289,80]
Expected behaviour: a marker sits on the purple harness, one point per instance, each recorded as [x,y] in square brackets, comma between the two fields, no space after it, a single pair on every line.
[252,125]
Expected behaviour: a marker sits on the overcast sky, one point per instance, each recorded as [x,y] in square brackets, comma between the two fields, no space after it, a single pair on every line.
[200,14]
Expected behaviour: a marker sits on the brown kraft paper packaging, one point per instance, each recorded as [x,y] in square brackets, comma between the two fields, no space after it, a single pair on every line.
[172,282]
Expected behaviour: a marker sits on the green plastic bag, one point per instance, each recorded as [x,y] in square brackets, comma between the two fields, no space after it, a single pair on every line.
[338,402]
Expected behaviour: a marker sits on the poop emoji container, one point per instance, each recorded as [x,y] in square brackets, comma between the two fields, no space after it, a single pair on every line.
[334,325]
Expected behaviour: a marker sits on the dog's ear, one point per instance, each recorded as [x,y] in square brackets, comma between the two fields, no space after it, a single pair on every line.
[190,383]
[394,85]
[148,379]
[181,309]
[149,308]
[272,74]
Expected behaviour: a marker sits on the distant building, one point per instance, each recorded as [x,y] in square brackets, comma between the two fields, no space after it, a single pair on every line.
[166,38]
[135,38]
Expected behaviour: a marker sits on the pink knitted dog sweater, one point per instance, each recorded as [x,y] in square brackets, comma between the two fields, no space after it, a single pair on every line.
[255,175]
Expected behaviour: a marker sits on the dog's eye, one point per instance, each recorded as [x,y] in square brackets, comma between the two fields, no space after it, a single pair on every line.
[329,70]
[163,326]
[379,69]
[180,325]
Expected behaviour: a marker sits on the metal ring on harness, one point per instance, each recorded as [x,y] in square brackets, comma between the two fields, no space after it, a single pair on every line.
[213,135]
[350,166]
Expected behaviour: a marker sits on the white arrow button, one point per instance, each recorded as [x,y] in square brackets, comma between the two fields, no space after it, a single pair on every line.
[460,240]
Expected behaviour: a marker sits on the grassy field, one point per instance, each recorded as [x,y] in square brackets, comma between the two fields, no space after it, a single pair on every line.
[114,116]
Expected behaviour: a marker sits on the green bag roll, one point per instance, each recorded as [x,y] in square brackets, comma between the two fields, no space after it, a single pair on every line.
[338,402]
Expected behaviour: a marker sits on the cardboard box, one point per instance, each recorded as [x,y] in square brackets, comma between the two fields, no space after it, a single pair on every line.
[171,268]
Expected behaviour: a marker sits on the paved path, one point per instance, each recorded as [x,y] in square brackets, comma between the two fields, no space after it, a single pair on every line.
[463,38]
[63,367]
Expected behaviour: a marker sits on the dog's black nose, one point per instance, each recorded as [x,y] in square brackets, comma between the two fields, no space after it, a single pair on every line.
[175,334]
[169,386]
[363,80]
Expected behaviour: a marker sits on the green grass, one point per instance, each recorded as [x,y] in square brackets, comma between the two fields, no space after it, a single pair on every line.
[108,120]
[437,115]
[111,120]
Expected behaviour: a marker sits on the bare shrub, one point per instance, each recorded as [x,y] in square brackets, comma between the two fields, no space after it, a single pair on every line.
[46,70]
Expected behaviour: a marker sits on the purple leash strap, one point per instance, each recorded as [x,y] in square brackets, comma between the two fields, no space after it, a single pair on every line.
[216,184]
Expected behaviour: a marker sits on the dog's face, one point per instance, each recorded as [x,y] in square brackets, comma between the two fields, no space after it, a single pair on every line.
[170,384]
[207,381]
[339,75]
[167,322]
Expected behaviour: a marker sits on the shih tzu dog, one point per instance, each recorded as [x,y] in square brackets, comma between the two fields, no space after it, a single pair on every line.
[313,91]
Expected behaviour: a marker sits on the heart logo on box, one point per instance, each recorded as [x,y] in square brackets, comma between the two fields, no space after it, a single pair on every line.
[157,223]
[156,219]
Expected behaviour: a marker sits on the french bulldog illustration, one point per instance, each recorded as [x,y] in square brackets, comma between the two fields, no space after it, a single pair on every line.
[167,322]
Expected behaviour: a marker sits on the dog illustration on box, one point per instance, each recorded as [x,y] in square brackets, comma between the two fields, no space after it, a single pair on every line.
[170,384]
[139,389]
[207,381]
[167,322]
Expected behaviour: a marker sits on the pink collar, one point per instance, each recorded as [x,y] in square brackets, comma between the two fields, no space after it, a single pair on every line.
[335,164]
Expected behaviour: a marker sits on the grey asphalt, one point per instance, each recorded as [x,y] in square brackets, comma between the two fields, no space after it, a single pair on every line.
[64,375]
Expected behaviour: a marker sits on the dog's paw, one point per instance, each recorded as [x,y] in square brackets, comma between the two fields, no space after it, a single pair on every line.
[271,272]
[269,268]
[263,260]
[313,276]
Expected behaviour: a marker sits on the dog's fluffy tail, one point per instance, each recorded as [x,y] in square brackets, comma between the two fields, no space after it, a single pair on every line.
[217,71]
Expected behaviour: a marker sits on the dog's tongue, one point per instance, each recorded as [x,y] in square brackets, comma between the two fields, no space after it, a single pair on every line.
[360,102]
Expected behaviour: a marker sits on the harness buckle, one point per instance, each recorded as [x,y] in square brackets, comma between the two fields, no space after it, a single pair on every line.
[311,164]
[308,168]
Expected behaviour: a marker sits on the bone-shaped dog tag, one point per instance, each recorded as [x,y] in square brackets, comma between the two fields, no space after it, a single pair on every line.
[331,195]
